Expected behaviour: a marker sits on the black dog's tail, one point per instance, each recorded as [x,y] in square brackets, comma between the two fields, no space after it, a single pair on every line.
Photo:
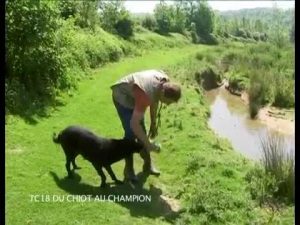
[56,139]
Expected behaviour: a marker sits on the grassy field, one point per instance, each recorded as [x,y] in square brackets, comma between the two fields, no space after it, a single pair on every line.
[198,169]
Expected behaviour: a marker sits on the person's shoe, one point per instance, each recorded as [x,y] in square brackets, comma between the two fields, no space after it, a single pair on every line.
[154,172]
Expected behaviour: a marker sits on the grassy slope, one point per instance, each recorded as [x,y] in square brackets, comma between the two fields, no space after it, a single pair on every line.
[34,165]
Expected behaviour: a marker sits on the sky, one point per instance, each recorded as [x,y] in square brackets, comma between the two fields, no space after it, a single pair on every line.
[138,6]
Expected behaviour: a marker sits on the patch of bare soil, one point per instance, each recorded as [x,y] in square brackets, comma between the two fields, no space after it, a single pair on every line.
[169,205]
[281,120]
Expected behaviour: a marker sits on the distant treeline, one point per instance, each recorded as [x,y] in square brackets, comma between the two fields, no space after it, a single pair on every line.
[50,45]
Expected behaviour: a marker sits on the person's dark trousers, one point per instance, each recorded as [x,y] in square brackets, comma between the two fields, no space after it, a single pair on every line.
[125,115]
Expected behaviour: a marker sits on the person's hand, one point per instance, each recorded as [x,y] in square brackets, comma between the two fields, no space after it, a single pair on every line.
[153,147]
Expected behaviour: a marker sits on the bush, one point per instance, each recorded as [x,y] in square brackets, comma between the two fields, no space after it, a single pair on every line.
[57,61]
[110,13]
[209,77]
[33,59]
[194,163]
[237,82]
[284,91]
[213,205]
[124,28]
[241,33]
[68,8]
[230,56]
[260,91]
[149,22]
[163,17]
[209,39]
[200,56]
[261,185]
[274,179]
[261,60]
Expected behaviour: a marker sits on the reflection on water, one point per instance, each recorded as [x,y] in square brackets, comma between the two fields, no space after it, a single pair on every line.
[230,119]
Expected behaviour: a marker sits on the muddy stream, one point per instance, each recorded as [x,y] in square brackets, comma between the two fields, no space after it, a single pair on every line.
[230,119]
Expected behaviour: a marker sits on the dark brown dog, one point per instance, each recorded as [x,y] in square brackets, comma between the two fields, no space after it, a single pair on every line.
[101,152]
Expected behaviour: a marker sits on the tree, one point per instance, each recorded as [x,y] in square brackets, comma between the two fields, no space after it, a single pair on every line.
[110,13]
[124,28]
[163,17]
[258,26]
[34,66]
[87,15]
[179,17]
[149,22]
[292,32]
[204,21]
[189,8]
[277,35]
[220,25]
[84,12]
[68,8]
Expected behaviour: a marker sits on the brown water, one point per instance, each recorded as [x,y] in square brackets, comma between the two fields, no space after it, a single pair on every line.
[230,119]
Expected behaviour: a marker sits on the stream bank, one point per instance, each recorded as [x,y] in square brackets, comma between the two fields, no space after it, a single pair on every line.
[230,119]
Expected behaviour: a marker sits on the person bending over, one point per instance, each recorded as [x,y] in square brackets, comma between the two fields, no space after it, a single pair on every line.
[132,95]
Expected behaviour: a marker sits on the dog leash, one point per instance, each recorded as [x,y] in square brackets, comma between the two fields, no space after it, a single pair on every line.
[158,114]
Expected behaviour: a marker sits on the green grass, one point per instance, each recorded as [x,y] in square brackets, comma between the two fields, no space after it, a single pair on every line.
[211,189]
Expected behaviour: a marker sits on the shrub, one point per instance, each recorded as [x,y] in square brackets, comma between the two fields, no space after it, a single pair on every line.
[211,39]
[110,13]
[260,90]
[33,58]
[231,56]
[209,77]
[256,36]
[237,81]
[248,34]
[254,108]
[213,205]
[241,33]
[149,22]
[284,91]
[194,163]
[124,28]
[199,56]
[68,8]
[163,18]
[274,179]
[261,185]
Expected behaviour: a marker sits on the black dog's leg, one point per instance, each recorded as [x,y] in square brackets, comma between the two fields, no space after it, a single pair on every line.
[75,167]
[112,175]
[68,165]
[101,174]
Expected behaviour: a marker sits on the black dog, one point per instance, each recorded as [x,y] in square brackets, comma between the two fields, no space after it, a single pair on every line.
[101,152]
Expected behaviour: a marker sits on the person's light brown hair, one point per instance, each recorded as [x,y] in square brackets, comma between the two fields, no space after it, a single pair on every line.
[172,91]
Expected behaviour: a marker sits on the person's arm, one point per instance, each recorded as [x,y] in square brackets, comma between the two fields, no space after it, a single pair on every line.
[138,130]
[141,104]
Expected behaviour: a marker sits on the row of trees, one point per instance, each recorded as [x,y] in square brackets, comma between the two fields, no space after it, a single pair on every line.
[36,51]
[199,19]
[192,16]
[271,24]
[33,39]
[37,40]
[110,15]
